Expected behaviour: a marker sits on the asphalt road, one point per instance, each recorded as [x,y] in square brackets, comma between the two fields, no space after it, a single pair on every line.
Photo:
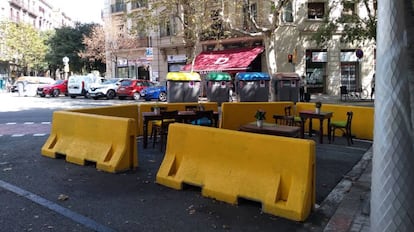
[42,194]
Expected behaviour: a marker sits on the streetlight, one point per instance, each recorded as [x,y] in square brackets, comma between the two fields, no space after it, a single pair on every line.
[66,66]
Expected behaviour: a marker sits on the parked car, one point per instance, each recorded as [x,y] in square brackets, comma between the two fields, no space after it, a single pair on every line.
[54,90]
[106,89]
[131,88]
[27,85]
[79,85]
[158,91]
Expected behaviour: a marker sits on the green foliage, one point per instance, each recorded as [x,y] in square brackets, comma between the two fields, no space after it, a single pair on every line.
[23,45]
[67,41]
[355,28]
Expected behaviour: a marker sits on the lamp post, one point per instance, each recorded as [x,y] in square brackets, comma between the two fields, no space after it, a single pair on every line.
[66,66]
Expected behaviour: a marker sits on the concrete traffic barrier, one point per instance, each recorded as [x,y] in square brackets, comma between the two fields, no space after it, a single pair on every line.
[110,142]
[277,171]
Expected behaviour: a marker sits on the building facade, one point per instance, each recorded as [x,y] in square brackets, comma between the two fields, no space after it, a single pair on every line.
[41,14]
[326,67]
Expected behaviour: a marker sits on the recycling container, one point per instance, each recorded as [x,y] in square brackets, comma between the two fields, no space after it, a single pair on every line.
[252,86]
[218,87]
[183,87]
[286,86]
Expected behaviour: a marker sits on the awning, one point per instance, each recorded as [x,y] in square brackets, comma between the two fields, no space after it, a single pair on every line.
[225,60]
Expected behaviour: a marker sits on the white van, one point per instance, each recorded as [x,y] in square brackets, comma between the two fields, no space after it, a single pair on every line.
[79,85]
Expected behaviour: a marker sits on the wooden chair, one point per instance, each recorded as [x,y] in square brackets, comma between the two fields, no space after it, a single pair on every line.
[345,126]
[162,109]
[297,121]
[283,120]
[160,127]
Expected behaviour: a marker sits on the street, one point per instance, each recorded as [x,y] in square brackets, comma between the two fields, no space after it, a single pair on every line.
[44,194]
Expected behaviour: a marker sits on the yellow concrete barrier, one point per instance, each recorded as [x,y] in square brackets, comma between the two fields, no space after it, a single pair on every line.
[123,111]
[277,171]
[235,114]
[110,142]
[362,122]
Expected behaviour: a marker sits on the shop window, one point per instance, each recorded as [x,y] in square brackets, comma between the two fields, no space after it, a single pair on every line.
[316,70]
[316,10]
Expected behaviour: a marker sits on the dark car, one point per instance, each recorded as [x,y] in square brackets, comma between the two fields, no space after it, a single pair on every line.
[131,88]
[158,91]
[54,90]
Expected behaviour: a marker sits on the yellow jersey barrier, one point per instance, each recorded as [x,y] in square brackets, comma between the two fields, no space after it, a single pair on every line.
[110,142]
[277,171]
[123,111]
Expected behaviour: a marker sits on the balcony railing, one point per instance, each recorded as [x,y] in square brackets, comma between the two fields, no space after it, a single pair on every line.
[138,4]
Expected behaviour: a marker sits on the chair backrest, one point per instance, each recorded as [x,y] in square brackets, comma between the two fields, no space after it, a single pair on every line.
[288,110]
[349,114]
[284,119]
[344,90]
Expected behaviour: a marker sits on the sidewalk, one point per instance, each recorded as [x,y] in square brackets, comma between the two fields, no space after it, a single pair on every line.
[352,194]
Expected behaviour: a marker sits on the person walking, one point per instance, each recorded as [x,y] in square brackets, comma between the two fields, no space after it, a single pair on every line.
[372,85]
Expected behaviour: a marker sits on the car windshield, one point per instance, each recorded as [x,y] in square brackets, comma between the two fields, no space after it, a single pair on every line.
[126,83]
[58,82]
[110,81]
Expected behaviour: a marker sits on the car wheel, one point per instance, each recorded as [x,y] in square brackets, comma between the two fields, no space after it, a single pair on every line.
[163,96]
[137,96]
[42,95]
[55,93]
[110,94]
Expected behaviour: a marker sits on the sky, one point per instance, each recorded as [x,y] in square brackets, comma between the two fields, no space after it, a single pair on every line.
[85,11]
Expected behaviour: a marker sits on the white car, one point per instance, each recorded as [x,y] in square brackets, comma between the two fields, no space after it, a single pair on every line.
[105,89]
[79,85]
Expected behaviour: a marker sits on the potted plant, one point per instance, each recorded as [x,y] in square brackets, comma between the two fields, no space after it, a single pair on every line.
[318,106]
[260,116]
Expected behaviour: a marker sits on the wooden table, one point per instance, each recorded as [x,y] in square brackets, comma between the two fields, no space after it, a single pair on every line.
[311,114]
[183,116]
[272,129]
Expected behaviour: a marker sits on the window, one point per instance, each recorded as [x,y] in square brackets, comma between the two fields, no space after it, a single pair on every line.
[348,9]
[167,28]
[316,10]
[138,4]
[287,15]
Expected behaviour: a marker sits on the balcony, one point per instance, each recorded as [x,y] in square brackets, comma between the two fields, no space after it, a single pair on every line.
[139,4]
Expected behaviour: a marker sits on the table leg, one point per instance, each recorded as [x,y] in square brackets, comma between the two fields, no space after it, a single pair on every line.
[310,127]
[329,130]
[321,130]
[302,128]
[145,136]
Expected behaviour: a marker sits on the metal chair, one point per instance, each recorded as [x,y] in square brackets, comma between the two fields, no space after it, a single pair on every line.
[344,126]
[284,120]
[297,121]
[344,92]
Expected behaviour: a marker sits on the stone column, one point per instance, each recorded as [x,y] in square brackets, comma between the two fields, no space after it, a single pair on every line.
[392,199]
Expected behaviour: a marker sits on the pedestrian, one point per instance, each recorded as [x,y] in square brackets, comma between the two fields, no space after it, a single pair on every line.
[302,89]
[372,85]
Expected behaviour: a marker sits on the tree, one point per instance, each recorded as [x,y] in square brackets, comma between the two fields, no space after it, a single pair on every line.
[192,20]
[67,41]
[23,45]
[94,50]
[351,26]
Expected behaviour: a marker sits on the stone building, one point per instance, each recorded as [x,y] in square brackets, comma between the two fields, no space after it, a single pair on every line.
[326,68]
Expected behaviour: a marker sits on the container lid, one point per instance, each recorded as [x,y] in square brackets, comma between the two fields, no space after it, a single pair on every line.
[183,76]
[286,75]
[252,76]
[218,76]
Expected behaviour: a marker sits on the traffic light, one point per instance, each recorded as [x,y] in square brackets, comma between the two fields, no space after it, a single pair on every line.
[290,58]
